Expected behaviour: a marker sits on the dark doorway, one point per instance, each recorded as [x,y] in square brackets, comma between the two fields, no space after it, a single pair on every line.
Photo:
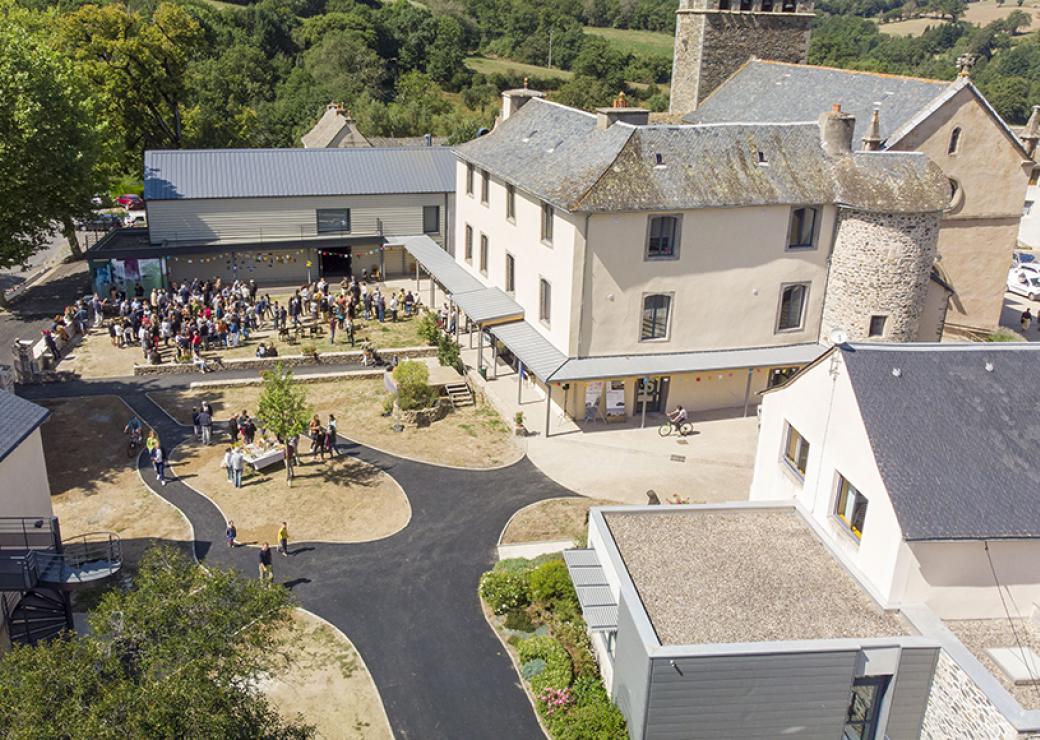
[654,391]
[335,262]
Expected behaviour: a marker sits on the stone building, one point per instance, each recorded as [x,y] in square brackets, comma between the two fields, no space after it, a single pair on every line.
[338,129]
[745,63]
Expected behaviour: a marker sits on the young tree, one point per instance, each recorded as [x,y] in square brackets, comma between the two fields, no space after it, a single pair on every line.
[282,408]
[179,655]
[50,147]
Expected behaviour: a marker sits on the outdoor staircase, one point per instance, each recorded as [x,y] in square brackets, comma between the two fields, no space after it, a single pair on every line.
[460,394]
[40,614]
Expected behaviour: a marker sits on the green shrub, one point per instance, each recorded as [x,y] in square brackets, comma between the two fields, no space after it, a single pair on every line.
[519,620]
[520,566]
[592,717]
[551,582]
[504,591]
[575,639]
[413,386]
[448,352]
[1004,334]
[388,404]
[532,668]
[557,672]
[427,329]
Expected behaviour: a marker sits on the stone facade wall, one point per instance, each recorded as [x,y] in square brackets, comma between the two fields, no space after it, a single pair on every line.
[959,708]
[880,266]
[267,363]
[710,46]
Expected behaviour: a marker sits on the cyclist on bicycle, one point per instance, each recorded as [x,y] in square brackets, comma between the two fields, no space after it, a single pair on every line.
[678,418]
[133,430]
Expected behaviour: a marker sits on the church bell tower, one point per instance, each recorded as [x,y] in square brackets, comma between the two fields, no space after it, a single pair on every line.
[714,37]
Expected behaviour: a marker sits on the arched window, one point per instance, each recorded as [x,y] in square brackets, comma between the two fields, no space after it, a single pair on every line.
[955,141]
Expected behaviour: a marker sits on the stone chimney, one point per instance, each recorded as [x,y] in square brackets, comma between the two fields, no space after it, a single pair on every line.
[836,129]
[619,111]
[872,139]
[514,100]
[1031,133]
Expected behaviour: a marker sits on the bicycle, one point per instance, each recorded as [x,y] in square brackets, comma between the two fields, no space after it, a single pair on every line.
[133,444]
[668,427]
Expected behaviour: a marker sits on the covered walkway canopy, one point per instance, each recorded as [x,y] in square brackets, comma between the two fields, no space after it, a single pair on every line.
[441,265]
[536,352]
[488,306]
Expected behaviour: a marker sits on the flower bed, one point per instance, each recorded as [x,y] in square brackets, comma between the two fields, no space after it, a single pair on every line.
[537,612]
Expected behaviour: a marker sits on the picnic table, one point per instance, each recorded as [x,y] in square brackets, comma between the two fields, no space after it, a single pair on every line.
[261,458]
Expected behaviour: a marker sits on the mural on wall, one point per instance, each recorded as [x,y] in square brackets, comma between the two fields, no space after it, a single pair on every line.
[124,275]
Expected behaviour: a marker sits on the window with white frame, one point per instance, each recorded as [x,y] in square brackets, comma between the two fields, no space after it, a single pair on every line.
[485,186]
[850,506]
[544,301]
[469,179]
[547,223]
[662,238]
[877,326]
[333,220]
[796,451]
[792,307]
[510,273]
[469,243]
[801,233]
[656,311]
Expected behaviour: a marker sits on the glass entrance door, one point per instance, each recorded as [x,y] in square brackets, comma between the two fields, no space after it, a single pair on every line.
[654,391]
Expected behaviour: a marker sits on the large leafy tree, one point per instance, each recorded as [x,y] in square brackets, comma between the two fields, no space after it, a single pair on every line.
[179,655]
[50,143]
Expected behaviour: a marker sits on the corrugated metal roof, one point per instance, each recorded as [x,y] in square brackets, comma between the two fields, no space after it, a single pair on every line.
[440,264]
[489,304]
[273,173]
[598,605]
[536,352]
[20,419]
[627,366]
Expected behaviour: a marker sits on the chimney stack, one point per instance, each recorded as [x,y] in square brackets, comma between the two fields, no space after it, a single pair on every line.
[619,111]
[1031,133]
[836,129]
[872,139]
[514,100]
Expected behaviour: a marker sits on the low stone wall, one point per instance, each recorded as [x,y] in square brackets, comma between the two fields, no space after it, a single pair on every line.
[267,363]
[423,417]
[959,708]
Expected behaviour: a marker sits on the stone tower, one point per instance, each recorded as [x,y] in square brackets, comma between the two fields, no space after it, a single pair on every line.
[714,37]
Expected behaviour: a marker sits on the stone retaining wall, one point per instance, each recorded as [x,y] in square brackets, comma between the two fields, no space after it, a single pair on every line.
[267,363]
[423,417]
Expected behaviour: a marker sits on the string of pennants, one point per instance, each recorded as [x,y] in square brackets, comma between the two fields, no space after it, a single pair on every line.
[234,259]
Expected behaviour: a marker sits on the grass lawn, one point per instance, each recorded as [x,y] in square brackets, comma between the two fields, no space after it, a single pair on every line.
[321,679]
[635,41]
[94,487]
[488,66]
[979,13]
[474,436]
[339,500]
[554,519]
[95,357]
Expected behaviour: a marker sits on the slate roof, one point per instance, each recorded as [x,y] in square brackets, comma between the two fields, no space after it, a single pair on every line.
[956,444]
[558,154]
[267,173]
[776,92]
[20,419]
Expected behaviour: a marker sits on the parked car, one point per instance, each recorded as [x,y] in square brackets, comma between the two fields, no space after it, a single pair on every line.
[101,222]
[135,218]
[1022,258]
[130,201]
[1025,280]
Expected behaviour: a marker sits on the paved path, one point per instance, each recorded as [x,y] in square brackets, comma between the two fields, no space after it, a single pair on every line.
[408,602]
[34,308]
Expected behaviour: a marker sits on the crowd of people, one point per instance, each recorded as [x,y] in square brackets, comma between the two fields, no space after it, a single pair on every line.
[201,315]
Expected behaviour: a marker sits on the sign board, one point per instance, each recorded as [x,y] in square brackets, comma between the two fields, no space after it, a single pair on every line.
[616,398]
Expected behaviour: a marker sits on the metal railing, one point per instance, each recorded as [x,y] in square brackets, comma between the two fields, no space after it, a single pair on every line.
[19,572]
[29,533]
[83,550]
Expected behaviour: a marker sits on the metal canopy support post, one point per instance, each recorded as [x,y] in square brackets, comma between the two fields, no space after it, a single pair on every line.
[519,383]
[494,360]
[382,265]
[548,407]
[747,390]
[480,348]
[646,390]
[433,291]
[417,276]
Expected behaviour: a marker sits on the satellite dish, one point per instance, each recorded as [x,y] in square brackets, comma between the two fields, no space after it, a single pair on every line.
[838,336]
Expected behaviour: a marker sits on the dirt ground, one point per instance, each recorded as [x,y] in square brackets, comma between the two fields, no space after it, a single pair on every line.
[474,436]
[340,500]
[555,519]
[322,680]
[94,487]
[96,357]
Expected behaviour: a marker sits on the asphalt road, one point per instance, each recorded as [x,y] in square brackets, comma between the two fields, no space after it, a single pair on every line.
[35,307]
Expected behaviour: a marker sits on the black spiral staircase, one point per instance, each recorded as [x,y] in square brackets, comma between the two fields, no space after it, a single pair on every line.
[38,571]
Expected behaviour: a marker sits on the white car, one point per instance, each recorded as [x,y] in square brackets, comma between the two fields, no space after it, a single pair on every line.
[135,218]
[1025,280]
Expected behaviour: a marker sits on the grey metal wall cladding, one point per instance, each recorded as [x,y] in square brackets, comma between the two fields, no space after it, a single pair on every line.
[910,693]
[631,672]
[789,695]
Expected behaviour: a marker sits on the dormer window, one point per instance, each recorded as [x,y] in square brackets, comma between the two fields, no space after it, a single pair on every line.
[762,158]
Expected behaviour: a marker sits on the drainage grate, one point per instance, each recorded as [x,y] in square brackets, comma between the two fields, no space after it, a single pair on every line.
[677,458]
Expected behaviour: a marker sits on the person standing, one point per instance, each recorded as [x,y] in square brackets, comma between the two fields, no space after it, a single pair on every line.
[206,423]
[195,427]
[226,464]
[330,437]
[237,461]
[1026,319]
[233,428]
[332,329]
[152,442]
[231,534]
[266,567]
[159,463]
[283,540]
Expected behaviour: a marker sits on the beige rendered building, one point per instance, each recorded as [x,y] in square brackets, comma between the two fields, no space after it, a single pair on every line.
[625,268]
[986,165]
